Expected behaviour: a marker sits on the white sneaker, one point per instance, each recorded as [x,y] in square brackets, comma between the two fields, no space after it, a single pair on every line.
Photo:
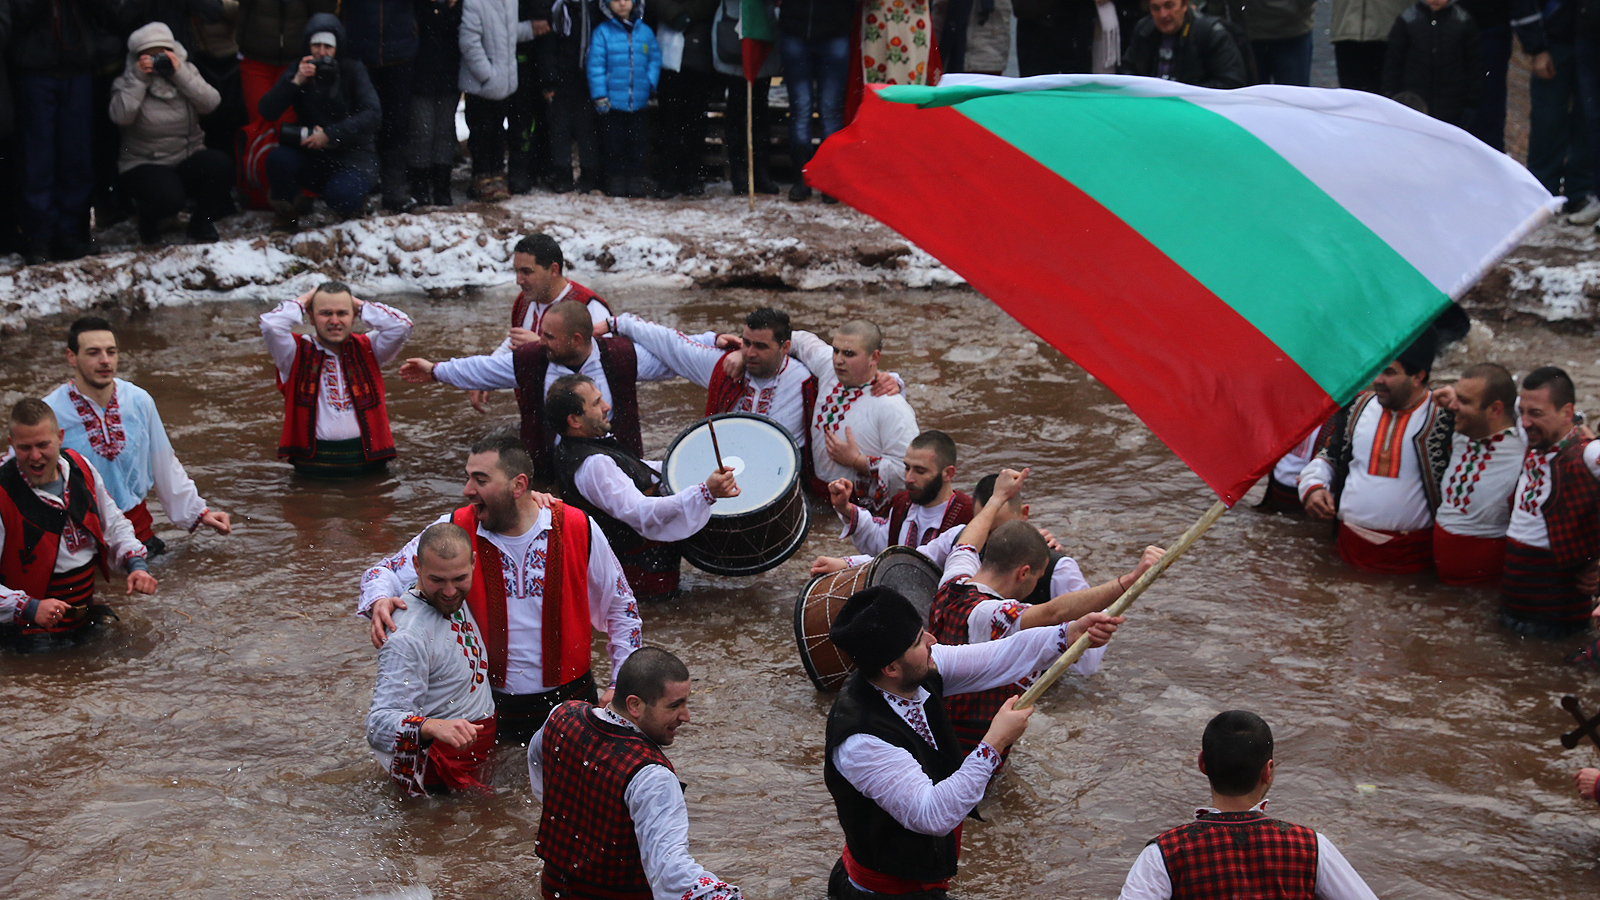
[1587,214]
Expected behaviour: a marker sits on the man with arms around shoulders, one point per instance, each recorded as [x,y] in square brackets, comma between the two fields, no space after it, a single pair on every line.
[603,780]
[1486,452]
[1233,849]
[543,576]
[115,424]
[335,417]
[622,491]
[431,723]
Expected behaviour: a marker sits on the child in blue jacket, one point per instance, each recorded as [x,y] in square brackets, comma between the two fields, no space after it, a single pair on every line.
[624,67]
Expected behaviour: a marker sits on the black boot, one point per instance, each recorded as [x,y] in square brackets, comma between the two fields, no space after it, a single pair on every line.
[519,172]
[396,188]
[420,188]
[801,190]
[441,185]
[201,229]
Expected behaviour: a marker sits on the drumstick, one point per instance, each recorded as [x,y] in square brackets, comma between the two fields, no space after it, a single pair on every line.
[710,426]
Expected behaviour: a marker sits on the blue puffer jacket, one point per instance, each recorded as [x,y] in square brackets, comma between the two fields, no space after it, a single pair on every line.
[624,61]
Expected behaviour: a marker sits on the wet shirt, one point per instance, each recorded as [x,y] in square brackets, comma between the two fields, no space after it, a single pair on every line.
[671,518]
[1475,498]
[1527,525]
[1384,488]
[870,534]
[882,426]
[433,666]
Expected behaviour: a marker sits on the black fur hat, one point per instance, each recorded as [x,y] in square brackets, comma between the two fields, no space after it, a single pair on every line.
[875,626]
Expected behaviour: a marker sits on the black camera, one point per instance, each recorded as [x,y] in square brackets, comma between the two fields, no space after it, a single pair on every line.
[326,68]
[292,135]
[162,64]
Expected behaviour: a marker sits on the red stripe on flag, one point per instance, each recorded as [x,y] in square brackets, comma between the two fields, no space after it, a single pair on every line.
[1211,386]
[753,54]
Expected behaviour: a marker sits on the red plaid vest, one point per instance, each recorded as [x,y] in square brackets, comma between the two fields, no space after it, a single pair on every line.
[970,714]
[1240,856]
[586,836]
[1570,513]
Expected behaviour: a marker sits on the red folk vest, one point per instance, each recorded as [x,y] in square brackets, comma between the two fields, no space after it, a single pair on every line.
[1240,856]
[564,615]
[957,512]
[947,620]
[519,309]
[1570,513]
[586,835]
[365,380]
[620,363]
[34,529]
[724,394]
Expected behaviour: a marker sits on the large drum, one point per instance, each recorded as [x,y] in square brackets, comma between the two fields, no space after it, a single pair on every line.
[915,576]
[769,520]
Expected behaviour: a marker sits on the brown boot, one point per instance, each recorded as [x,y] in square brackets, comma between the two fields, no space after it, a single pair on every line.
[287,220]
[491,188]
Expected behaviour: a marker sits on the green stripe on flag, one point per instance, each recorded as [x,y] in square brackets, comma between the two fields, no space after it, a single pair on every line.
[755,23]
[1223,205]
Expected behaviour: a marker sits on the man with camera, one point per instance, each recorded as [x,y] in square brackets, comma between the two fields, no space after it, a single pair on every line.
[330,148]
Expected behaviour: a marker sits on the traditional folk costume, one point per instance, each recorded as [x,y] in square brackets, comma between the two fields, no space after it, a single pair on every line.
[1062,576]
[787,398]
[527,314]
[128,446]
[335,420]
[1553,535]
[907,524]
[1469,530]
[1226,855]
[622,493]
[614,364]
[883,428]
[894,766]
[433,667]
[535,597]
[1384,469]
[1281,495]
[965,612]
[614,824]
[51,540]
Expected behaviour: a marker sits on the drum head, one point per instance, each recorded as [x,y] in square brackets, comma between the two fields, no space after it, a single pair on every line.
[910,573]
[764,459]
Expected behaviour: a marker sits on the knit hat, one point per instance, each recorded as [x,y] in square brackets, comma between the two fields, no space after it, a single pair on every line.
[876,626]
[150,37]
[324,37]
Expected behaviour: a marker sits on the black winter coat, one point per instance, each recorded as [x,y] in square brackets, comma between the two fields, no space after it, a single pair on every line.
[437,68]
[1434,54]
[271,31]
[698,14]
[816,19]
[560,57]
[178,15]
[64,38]
[347,109]
[1205,55]
[382,32]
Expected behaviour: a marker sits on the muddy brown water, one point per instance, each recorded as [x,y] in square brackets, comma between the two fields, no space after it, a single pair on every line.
[211,744]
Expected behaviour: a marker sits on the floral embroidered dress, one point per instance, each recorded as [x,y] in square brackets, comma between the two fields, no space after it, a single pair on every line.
[897,43]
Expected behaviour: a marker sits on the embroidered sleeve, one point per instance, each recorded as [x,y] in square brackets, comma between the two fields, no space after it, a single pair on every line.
[390,329]
[687,357]
[876,489]
[409,764]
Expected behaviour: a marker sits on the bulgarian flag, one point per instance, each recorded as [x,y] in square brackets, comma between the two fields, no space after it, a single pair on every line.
[1235,265]
[756,36]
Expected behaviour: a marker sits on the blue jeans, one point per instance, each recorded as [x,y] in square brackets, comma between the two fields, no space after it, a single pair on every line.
[343,188]
[1586,66]
[1557,144]
[1284,60]
[820,66]
[1489,125]
[55,117]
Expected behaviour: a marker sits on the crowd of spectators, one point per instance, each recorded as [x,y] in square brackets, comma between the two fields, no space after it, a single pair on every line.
[149,108]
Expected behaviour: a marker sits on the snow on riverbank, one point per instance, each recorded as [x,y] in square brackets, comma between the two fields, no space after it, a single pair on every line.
[711,242]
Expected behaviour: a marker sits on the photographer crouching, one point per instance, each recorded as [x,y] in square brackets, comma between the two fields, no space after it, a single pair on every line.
[158,101]
[329,150]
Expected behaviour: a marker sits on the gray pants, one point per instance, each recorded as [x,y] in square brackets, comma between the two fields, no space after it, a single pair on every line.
[433,130]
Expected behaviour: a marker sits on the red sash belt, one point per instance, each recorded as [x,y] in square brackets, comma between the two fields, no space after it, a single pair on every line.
[879,883]
[139,518]
[1405,553]
[1463,560]
[458,769]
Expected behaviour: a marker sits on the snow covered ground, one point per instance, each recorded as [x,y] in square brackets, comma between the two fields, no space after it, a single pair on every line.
[712,242]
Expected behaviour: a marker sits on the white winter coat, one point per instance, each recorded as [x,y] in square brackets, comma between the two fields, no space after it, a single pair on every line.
[489,35]
[159,116]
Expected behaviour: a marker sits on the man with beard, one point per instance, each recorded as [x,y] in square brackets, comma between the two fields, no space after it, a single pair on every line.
[1553,538]
[566,347]
[622,491]
[1380,472]
[335,418]
[541,272]
[543,575]
[57,521]
[893,763]
[855,433]
[115,423]
[431,724]
[1469,532]
[614,823]
[929,506]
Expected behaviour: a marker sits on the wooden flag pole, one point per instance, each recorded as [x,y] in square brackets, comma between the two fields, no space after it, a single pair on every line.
[750,140]
[1059,667]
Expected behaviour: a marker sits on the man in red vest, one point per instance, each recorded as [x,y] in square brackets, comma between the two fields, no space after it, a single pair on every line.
[614,824]
[929,506]
[335,420]
[543,578]
[1233,849]
[57,524]
[567,347]
[542,275]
